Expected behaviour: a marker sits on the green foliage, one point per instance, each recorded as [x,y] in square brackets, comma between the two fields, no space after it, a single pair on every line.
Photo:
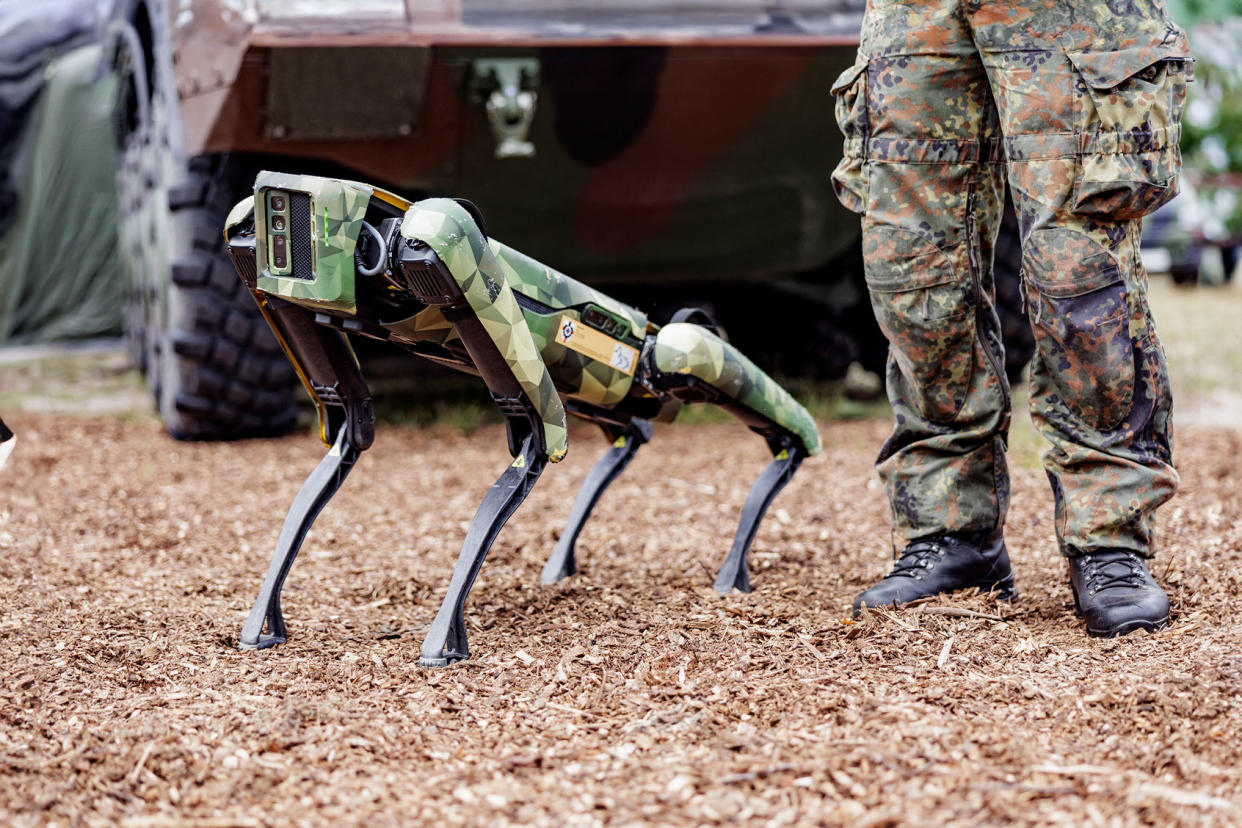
[1212,134]
[1192,12]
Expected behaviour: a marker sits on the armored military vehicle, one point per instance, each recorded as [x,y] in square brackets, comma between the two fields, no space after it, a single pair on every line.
[673,153]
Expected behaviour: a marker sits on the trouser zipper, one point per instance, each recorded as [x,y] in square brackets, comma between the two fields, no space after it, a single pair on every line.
[981,305]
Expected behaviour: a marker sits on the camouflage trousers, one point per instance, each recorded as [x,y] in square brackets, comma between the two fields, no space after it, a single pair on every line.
[1078,106]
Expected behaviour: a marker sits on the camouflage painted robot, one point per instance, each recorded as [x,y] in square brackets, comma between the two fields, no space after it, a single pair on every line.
[325,258]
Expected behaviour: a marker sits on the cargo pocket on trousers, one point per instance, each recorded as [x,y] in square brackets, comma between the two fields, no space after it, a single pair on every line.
[1131,101]
[849,179]
[1081,319]
[923,308]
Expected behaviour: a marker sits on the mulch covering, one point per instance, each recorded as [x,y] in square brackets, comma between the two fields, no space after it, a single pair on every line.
[628,694]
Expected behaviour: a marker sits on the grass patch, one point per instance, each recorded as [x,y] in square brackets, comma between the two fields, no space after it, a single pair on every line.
[1199,329]
[448,399]
[97,380]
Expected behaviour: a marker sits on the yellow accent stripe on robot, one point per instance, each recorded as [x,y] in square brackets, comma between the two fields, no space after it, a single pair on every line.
[599,346]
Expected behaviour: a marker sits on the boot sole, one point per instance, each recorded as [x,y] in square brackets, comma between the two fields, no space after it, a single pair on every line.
[1128,627]
[1004,588]
[1123,629]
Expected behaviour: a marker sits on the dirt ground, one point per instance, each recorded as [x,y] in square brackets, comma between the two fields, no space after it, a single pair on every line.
[630,693]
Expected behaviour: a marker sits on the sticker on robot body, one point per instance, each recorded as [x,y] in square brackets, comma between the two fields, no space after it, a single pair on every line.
[595,344]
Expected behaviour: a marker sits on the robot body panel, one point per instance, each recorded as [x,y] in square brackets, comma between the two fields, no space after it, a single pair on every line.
[428,325]
[691,350]
[537,281]
[452,233]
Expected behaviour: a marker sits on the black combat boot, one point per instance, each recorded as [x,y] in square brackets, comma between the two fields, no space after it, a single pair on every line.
[1115,594]
[943,563]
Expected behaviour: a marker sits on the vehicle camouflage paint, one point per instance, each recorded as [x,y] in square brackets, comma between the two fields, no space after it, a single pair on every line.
[326,257]
[674,154]
[690,145]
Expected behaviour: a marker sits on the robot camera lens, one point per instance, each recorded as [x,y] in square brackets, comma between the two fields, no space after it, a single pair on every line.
[278,203]
[278,223]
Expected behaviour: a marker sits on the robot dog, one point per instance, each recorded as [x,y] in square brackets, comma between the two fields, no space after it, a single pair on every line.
[326,258]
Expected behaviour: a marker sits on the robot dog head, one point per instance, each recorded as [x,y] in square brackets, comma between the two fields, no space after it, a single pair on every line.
[305,233]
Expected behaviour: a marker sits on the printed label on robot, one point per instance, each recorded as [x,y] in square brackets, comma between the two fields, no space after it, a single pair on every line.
[623,358]
[598,346]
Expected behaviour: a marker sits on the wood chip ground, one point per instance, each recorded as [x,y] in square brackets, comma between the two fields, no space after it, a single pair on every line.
[629,694]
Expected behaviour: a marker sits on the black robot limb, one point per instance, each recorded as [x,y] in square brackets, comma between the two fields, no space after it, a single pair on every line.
[330,372]
[626,439]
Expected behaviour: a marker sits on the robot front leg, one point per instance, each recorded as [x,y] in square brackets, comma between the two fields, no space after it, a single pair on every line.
[313,496]
[446,258]
[446,640]
[330,372]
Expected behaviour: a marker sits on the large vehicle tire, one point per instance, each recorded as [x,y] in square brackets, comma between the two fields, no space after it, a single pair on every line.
[221,373]
[210,360]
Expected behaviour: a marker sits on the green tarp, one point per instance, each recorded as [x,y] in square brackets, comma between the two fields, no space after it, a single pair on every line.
[59,273]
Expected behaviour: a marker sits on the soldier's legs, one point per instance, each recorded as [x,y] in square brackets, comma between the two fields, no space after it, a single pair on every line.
[922,153]
[1089,107]
[1089,97]
[922,165]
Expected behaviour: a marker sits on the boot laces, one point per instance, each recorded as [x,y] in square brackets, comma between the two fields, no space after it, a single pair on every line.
[1113,568]
[917,557]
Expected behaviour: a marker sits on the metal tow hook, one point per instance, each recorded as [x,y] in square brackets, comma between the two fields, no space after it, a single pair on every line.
[509,89]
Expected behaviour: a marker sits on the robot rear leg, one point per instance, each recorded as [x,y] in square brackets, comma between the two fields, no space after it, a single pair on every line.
[693,364]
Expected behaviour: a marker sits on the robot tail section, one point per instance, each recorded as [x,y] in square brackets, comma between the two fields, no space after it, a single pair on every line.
[688,354]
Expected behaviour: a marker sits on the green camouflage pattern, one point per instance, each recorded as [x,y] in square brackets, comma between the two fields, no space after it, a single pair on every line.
[593,381]
[336,220]
[446,227]
[427,325]
[588,380]
[491,276]
[683,348]
[578,376]
[1078,106]
[543,284]
[241,211]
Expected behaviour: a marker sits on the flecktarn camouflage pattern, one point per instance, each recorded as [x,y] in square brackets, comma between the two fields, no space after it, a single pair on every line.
[325,258]
[1078,106]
